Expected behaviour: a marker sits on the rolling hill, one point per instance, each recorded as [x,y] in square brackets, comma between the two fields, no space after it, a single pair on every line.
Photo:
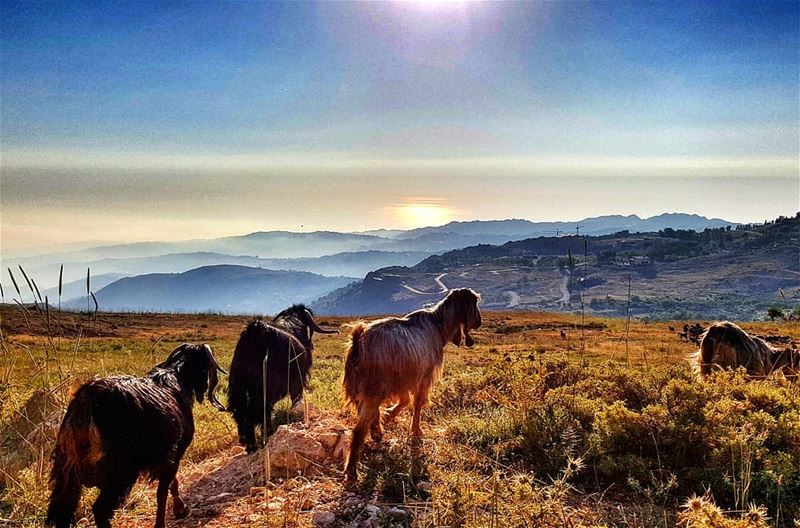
[719,273]
[222,289]
[348,264]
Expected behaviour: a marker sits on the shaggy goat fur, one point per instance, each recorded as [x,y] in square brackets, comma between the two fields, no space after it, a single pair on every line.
[287,340]
[120,427]
[726,346]
[399,359]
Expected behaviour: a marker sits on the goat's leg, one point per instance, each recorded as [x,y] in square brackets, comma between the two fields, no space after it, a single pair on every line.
[179,508]
[161,501]
[420,401]
[295,389]
[367,413]
[376,427]
[268,429]
[393,411]
[112,493]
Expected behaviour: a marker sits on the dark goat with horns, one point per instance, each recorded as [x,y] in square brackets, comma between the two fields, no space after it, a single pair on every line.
[120,427]
[287,343]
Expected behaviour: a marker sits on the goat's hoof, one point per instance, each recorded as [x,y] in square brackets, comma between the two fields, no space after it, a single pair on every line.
[182,512]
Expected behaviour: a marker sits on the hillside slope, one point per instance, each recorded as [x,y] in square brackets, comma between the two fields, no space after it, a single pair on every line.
[718,273]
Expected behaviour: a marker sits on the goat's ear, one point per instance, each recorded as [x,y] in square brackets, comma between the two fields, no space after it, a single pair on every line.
[456,339]
[213,366]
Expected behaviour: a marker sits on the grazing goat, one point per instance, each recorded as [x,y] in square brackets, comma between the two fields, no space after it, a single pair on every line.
[287,344]
[726,346]
[400,358]
[120,427]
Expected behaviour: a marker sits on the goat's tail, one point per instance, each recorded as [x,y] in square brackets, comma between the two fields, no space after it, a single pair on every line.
[78,449]
[350,383]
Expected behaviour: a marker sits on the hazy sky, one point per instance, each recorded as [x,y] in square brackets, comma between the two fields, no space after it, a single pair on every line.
[147,120]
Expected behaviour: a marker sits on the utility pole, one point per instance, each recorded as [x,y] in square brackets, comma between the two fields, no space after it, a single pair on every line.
[578,230]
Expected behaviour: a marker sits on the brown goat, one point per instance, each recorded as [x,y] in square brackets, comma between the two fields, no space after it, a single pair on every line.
[399,359]
[726,346]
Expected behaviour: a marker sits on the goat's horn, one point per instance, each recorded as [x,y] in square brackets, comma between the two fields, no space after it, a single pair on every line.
[180,349]
[212,359]
[315,327]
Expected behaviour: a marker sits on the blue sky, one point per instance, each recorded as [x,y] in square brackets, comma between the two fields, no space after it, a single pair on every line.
[153,101]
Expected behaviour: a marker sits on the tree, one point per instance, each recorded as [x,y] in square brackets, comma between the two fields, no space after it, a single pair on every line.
[774,312]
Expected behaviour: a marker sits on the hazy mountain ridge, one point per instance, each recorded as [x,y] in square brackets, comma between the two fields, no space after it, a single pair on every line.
[288,244]
[348,264]
[441,245]
[223,289]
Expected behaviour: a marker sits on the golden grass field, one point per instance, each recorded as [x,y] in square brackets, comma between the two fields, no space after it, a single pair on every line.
[525,429]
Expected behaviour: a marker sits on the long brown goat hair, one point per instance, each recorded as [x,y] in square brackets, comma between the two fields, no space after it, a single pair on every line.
[399,359]
[120,427]
[726,346]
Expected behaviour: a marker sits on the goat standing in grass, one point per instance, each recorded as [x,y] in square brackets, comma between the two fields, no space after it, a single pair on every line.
[120,427]
[287,341]
[726,346]
[399,359]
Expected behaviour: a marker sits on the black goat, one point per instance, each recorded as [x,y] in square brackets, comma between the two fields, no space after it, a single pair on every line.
[299,321]
[120,427]
[287,343]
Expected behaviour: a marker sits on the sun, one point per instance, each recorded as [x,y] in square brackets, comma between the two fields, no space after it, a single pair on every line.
[423,214]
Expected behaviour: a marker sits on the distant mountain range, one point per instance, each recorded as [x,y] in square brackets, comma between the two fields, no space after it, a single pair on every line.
[338,254]
[355,265]
[220,289]
[734,273]
[684,265]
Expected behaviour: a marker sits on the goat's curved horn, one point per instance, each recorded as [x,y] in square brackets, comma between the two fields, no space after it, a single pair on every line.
[212,378]
[212,359]
[179,350]
[315,327]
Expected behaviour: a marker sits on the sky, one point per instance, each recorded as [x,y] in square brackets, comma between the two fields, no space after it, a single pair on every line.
[165,121]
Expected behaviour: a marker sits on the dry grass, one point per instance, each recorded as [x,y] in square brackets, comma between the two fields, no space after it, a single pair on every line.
[508,442]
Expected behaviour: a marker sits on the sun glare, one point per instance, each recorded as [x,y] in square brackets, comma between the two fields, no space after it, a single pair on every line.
[422,214]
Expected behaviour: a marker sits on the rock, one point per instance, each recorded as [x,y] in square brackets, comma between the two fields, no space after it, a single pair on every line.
[329,440]
[372,510]
[298,449]
[342,446]
[293,451]
[220,497]
[323,518]
[396,513]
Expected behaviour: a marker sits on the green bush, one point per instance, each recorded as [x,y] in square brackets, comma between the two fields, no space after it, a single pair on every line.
[658,431]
